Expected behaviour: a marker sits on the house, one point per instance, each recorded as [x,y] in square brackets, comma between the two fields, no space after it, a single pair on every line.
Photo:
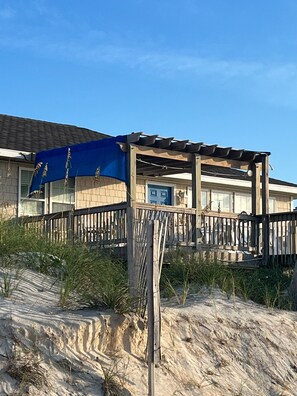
[224,189]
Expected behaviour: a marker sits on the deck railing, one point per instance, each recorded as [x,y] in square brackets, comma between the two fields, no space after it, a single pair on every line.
[281,233]
[226,230]
[101,225]
[106,226]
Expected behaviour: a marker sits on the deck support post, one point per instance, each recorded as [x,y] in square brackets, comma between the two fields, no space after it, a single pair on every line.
[256,207]
[265,208]
[131,215]
[196,198]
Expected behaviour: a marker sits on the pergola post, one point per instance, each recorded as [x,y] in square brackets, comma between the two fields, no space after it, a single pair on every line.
[256,200]
[256,188]
[196,198]
[131,214]
[265,208]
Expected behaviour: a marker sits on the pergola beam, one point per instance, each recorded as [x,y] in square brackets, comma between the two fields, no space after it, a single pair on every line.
[186,157]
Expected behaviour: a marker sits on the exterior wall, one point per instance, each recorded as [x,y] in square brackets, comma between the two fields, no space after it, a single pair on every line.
[106,191]
[8,189]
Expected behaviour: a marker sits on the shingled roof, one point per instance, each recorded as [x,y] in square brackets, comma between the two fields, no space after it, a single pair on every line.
[25,134]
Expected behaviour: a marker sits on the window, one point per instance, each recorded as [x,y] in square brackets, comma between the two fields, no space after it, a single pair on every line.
[221,201]
[62,197]
[204,198]
[34,205]
[243,203]
[272,204]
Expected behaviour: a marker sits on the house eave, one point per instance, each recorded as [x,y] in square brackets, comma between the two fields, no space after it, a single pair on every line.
[17,155]
[237,183]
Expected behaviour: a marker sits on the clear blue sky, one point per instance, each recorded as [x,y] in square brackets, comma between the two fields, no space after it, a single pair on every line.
[217,71]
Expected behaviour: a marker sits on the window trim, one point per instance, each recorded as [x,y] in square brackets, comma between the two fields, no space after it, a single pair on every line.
[20,199]
[50,197]
[222,192]
[246,194]
[206,190]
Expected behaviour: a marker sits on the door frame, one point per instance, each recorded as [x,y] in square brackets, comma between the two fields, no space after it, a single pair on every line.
[158,183]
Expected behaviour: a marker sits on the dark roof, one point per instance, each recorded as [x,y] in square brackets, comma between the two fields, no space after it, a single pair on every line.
[24,134]
[231,173]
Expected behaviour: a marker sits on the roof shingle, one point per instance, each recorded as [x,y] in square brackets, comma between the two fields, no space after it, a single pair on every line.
[24,134]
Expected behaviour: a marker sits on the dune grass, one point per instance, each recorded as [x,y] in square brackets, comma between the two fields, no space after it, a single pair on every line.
[186,272]
[86,276]
[95,279]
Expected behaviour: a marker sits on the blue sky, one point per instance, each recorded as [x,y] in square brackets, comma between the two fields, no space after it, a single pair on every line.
[217,71]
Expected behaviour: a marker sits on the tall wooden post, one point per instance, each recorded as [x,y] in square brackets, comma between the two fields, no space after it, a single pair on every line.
[131,214]
[256,188]
[265,208]
[153,302]
[256,199]
[196,198]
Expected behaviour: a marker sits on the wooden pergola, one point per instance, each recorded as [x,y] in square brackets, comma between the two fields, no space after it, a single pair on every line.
[152,155]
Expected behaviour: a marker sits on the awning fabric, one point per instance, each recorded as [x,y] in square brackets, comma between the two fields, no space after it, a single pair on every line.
[97,158]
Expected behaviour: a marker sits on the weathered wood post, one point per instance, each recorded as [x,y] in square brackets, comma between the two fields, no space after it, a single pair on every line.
[131,216]
[265,207]
[256,197]
[153,302]
[196,198]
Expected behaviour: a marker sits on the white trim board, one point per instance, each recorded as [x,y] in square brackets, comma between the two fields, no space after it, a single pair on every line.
[14,153]
[234,182]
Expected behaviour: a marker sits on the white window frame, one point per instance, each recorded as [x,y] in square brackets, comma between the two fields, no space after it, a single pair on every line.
[230,193]
[247,195]
[20,199]
[173,189]
[189,189]
[51,201]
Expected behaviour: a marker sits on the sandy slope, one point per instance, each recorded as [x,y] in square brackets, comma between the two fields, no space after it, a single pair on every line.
[210,346]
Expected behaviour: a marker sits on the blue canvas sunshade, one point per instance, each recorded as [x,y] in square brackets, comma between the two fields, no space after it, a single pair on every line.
[97,158]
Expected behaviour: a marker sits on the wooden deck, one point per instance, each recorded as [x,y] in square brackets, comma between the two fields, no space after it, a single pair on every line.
[272,238]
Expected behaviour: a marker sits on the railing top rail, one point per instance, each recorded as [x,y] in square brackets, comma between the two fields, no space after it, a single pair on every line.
[176,209]
[76,212]
[101,209]
[279,215]
[164,208]
[227,215]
